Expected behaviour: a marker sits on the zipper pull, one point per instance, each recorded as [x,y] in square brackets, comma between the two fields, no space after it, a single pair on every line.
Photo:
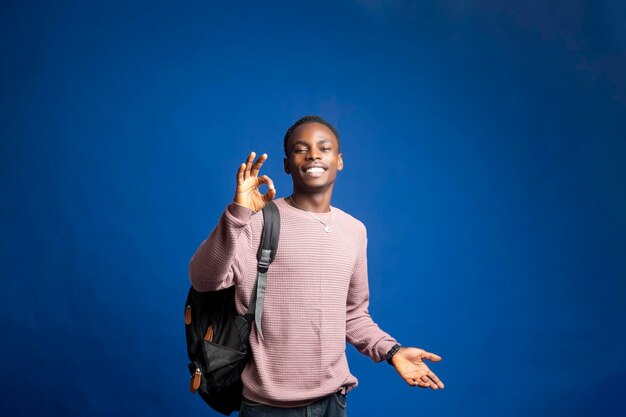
[195,380]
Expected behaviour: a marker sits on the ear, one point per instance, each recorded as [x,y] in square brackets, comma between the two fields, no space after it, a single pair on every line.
[340,162]
[286,166]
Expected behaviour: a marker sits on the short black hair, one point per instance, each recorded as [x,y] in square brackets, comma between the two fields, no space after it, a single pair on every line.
[309,119]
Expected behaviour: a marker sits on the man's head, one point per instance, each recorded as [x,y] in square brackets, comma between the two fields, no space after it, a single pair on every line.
[309,119]
[312,155]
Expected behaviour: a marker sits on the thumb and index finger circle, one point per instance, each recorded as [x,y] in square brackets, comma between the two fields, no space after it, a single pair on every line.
[271,193]
[264,179]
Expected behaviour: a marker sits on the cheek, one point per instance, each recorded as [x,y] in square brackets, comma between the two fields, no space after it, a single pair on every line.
[289,164]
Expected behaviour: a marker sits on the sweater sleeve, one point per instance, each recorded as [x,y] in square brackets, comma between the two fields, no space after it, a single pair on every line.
[361,330]
[221,258]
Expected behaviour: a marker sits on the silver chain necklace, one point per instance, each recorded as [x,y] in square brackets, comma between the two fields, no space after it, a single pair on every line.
[327,228]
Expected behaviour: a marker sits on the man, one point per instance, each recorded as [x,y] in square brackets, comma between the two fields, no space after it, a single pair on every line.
[317,292]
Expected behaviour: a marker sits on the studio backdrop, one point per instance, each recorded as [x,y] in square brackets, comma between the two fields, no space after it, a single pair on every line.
[484,145]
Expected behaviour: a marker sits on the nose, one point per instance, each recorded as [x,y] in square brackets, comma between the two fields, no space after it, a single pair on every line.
[313,154]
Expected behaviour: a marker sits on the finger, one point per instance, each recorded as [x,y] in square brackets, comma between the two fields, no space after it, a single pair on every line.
[428,382]
[246,173]
[431,356]
[412,382]
[270,195]
[264,179]
[257,165]
[418,383]
[435,379]
[242,167]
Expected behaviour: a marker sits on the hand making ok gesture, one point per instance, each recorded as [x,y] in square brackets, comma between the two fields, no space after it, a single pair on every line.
[249,183]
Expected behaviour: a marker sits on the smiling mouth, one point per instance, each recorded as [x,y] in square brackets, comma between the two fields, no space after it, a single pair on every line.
[315,171]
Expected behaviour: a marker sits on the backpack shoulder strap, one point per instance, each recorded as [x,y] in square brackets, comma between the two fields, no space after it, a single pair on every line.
[265,256]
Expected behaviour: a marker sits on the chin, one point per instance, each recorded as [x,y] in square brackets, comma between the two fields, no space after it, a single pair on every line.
[313,186]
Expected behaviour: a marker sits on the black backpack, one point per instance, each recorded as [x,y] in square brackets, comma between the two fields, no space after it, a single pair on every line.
[217,337]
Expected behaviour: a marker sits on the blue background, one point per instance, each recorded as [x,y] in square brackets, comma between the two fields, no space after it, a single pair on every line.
[485,149]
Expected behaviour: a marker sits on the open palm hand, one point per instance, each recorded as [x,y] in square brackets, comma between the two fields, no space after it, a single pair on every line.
[409,363]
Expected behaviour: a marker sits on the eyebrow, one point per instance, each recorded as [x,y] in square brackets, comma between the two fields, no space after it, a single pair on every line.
[302,142]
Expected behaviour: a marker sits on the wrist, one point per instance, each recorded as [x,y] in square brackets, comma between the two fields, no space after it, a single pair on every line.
[240,212]
[241,205]
[392,352]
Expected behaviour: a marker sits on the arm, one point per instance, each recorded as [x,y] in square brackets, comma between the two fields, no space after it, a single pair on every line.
[361,331]
[222,255]
[364,334]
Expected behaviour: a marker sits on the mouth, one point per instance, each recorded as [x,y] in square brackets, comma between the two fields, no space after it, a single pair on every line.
[315,171]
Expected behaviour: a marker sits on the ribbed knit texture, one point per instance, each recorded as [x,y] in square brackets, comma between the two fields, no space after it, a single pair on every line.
[317,298]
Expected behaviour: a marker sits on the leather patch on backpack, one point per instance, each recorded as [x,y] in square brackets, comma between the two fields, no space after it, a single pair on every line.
[188,315]
[208,336]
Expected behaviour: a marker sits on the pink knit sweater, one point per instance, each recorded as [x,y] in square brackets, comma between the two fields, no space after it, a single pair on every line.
[316,298]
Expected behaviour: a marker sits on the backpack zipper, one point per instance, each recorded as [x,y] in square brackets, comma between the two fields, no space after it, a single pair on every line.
[195,380]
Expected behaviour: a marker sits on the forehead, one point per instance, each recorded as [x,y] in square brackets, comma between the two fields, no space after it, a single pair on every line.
[312,132]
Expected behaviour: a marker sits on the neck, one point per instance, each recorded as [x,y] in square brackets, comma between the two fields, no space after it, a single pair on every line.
[314,202]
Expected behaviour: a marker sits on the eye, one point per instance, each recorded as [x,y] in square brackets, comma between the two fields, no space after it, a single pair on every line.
[326,148]
[299,150]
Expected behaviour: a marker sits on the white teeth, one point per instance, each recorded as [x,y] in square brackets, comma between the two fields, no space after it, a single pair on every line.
[315,170]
